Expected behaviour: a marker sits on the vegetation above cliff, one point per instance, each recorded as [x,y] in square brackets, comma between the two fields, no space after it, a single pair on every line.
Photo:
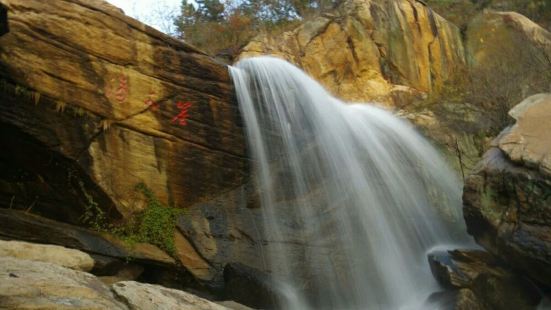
[460,12]
[223,26]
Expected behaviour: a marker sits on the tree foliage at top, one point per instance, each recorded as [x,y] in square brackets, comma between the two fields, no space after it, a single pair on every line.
[216,25]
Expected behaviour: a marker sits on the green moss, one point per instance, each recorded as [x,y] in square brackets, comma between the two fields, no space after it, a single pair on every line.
[93,215]
[155,224]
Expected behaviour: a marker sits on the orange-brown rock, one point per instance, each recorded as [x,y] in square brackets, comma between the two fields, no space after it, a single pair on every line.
[94,102]
[189,257]
[371,50]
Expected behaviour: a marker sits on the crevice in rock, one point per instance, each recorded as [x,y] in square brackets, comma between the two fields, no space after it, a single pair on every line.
[432,22]
[4,26]
[352,49]
[415,16]
[195,248]
[120,298]
[39,180]
[320,31]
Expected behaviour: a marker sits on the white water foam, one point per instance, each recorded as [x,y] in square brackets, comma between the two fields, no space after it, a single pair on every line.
[352,197]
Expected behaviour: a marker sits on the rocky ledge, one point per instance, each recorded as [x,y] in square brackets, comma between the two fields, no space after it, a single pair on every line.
[476,280]
[103,118]
[32,276]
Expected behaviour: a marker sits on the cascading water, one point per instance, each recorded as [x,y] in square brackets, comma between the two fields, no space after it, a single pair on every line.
[352,197]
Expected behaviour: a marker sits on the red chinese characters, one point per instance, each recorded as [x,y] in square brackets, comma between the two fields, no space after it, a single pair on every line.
[181,118]
[119,91]
[150,102]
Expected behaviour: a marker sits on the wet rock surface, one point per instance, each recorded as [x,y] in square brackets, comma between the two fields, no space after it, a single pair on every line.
[251,287]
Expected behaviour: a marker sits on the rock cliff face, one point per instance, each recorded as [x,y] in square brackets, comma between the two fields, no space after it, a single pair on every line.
[456,86]
[387,51]
[509,55]
[94,102]
[507,200]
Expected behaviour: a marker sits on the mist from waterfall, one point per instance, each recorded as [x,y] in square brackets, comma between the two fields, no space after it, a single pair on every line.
[352,197]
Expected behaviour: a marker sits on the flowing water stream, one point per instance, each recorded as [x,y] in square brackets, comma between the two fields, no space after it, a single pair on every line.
[352,197]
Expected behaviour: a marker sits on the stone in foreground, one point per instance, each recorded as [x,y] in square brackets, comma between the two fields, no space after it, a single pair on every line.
[26,284]
[141,296]
[73,259]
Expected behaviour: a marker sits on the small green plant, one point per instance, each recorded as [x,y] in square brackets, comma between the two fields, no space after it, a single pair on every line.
[20,91]
[155,224]
[93,215]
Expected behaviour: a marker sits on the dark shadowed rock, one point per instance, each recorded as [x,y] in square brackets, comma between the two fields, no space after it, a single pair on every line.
[112,255]
[479,281]
[21,226]
[3,20]
[467,300]
[250,287]
[505,292]
[459,268]
[462,299]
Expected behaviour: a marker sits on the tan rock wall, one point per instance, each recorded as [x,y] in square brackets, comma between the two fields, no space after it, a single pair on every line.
[371,49]
[111,95]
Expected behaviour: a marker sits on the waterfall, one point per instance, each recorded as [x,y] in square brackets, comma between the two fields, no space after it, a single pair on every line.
[351,196]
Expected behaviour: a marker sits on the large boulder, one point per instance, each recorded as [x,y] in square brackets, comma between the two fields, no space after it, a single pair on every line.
[140,296]
[18,225]
[509,57]
[114,259]
[37,285]
[54,254]
[387,51]
[507,200]
[252,287]
[30,284]
[94,103]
